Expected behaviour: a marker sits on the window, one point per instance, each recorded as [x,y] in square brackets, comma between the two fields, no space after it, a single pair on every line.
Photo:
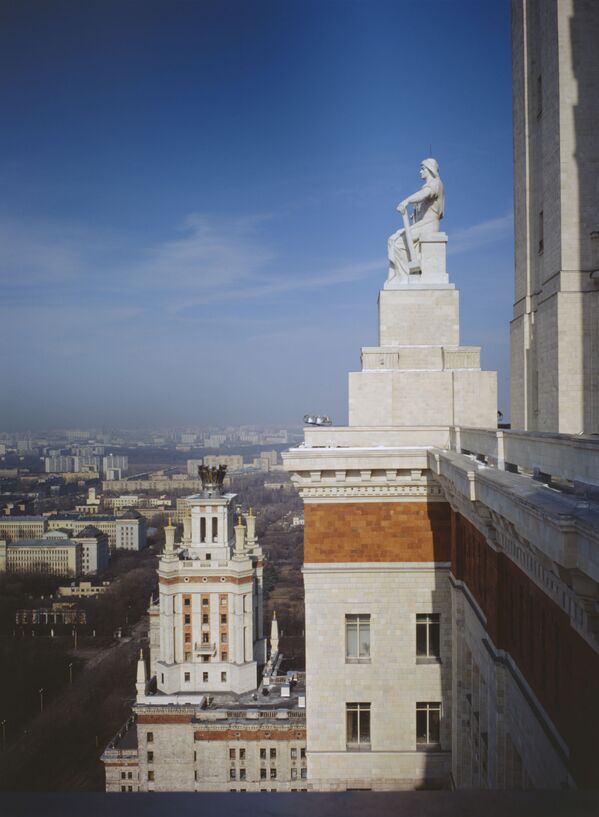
[273,754]
[123,775]
[262,754]
[208,556]
[293,754]
[187,602]
[232,754]
[357,638]
[294,774]
[428,626]
[214,529]
[205,638]
[187,638]
[242,754]
[150,735]
[242,774]
[303,753]
[129,775]
[123,788]
[262,774]
[303,773]
[358,725]
[187,677]
[205,677]
[150,775]
[232,774]
[202,529]
[205,658]
[428,721]
[205,602]
[205,618]
[223,676]
[150,757]
[188,619]
[223,618]
[273,774]
[223,638]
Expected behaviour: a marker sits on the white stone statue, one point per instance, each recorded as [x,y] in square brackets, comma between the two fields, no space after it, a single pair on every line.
[404,245]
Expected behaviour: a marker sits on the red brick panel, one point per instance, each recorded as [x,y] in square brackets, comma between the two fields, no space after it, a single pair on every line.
[377,532]
[249,734]
[558,664]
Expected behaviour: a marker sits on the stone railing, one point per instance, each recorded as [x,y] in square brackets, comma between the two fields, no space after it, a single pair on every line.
[562,456]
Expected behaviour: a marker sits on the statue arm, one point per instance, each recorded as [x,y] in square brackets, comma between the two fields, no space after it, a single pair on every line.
[420,195]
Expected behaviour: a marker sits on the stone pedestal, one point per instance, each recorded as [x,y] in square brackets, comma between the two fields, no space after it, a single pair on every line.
[419,375]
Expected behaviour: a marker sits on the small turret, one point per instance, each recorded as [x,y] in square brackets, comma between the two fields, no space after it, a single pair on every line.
[250,521]
[239,539]
[169,537]
[274,635]
[141,680]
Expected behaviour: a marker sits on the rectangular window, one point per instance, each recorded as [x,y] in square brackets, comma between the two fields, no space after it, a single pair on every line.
[129,775]
[223,618]
[358,725]
[242,774]
[224,656]
[303,773]
[188,619]
[357,638]
[214,529]
[293,754]
[187,602]
[205,677]
[223,638]
[150,736]
[232,754]
[262,754]
[205,658]
[205,602]
[205,619]
[202,529]
[262,774]
[303,753]
[428,642]
[205,638]
[428,724]
[150,775]
[294,774]
[223,677]
[273,774]
[150,757]
[242,754]
[187,677]
[187,638]
[123,775]
[273,754]
[232,773]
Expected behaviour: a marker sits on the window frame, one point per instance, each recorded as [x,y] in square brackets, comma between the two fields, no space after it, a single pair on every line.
[425,621]
[362,623]
[363,712]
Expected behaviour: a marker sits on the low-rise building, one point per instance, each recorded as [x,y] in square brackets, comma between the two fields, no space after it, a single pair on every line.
[22,527]
[56,555]
[83,589]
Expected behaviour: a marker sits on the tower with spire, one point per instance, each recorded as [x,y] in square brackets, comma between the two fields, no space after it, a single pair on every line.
[211,636]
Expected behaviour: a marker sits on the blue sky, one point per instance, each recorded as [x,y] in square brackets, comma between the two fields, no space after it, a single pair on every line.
[197,198]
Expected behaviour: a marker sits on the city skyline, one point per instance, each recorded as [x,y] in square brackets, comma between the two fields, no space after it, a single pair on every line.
[198,200]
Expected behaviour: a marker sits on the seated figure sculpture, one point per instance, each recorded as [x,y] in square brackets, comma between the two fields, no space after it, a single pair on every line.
[404,245]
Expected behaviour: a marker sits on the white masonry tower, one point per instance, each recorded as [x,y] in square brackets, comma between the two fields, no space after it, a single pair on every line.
[211,624]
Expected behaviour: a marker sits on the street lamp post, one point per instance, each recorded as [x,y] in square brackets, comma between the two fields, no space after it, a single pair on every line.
[41,692]
[3,724]
[71,673]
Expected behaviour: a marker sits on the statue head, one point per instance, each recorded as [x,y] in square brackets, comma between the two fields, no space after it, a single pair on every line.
[430,165]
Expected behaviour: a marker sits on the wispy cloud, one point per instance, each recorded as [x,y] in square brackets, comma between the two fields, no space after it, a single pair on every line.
[481,235]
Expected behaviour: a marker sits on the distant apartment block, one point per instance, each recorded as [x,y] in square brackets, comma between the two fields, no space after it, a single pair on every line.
[22,527]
